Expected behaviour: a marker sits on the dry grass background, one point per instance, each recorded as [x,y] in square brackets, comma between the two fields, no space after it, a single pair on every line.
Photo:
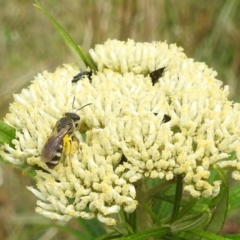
[207,30]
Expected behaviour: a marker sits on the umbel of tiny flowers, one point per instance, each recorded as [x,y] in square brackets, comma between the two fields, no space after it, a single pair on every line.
[155,115]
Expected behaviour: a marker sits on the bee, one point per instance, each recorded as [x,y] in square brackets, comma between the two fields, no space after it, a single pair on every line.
[60,140]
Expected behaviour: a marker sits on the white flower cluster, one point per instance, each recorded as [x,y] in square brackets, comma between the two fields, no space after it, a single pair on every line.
[127,135]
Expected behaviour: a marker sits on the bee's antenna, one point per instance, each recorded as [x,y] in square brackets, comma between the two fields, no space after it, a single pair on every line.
[73,101]
[83,106]
[80,107]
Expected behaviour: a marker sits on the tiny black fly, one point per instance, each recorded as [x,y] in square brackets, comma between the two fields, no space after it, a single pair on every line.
[81,75]
[166,118]
[155,75]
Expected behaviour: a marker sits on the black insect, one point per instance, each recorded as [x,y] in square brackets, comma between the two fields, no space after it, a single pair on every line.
[60,141]
[155,75]
[123,159]
[166,118]
[81,75]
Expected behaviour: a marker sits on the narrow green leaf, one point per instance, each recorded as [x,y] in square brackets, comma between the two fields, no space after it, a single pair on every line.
[7,133]
[190,222]
[164,202]
[147,234]
[164,197]
[187,207]
[207,235]
[219,206]
[131,220]
[29,171]
[92,227]
[108,236]
[202,205]
[148,209]
[172,236]
[91,63]
[124,227]
[85,57]
[234,196]
[232,236]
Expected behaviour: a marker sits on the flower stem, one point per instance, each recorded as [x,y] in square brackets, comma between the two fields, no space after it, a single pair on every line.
[143,219]
[178,197]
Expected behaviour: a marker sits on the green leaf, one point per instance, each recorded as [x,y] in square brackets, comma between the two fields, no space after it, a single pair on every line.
[232,236]
[190,222]
[164,201]
[219,206]
[29,171]
[207,235]
[234,196]
[123,228]
[131,220]
[148,209]
[91,226]
[7,133]
[147,234]
[108,236]
[188,206]
[84,56]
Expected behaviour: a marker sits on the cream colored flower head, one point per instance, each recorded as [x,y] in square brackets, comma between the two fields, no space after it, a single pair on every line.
[141,123]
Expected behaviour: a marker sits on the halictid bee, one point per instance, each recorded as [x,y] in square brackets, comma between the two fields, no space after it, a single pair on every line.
[60,140]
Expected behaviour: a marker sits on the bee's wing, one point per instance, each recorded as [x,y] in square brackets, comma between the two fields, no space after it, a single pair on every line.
[52,145]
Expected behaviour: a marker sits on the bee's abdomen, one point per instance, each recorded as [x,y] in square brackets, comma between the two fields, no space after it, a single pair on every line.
[55,160]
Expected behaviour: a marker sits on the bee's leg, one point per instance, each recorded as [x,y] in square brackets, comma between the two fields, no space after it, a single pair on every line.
[67,149]
[75,144]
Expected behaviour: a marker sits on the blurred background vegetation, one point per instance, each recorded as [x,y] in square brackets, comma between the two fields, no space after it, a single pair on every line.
[207,30]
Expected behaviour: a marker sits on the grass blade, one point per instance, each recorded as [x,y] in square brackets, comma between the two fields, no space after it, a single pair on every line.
[84,56]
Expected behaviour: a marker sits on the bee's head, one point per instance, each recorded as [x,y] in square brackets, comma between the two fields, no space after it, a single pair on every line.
[66,122]
[73,116]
